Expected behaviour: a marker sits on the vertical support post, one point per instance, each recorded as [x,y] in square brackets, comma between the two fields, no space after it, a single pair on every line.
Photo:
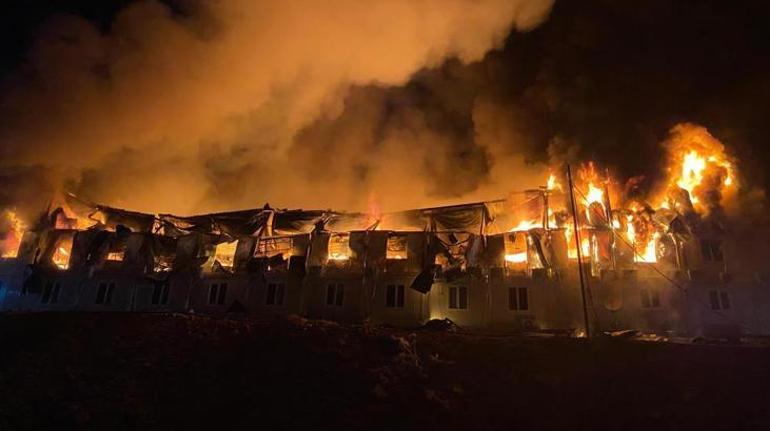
[579,251]
[608,210]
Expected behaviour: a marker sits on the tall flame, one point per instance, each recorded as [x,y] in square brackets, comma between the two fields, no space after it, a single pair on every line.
[699,164]
[11,240]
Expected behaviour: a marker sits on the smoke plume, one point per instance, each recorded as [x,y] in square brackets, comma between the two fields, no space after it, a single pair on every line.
[231,104]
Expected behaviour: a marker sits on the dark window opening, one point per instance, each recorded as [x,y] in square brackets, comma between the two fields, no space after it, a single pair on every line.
[518,298]
[712,250]
[458,298]
[335,294]
[160,294]
[104,294]
[394,297]
[51,292]
[213,293]
[650,298]
[275,294]
[217,294]
[720,300]
[725,300]
[714,299]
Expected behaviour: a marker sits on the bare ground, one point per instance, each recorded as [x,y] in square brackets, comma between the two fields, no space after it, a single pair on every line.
[170,371]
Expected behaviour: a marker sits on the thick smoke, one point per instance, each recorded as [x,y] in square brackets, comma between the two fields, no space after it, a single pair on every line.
[234,103]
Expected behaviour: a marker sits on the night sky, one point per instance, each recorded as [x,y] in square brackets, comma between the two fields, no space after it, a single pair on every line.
[599,79]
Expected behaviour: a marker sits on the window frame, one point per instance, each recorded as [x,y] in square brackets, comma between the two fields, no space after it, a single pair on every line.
[217,293]
[275,294]
[335,295]
[719,299]
[518,298]
[104,293]
[650,298]
[395,296]
[50,293]
[459,298]
[160,292]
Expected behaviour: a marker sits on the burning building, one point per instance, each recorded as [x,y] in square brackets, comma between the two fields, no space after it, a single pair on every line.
[570,254]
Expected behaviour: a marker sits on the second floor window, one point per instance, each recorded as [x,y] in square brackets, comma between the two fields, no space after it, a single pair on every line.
[712,250]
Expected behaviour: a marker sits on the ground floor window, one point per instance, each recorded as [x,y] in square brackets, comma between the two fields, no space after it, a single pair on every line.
[518,298]
[394,296]
[51,292]
[458,297]
[217,293]
[104,294]
[275,293]
[335,294]
[719,299]
[650,298]
[160,293]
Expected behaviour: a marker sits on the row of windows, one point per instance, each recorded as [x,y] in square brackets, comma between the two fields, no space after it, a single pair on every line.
[518,297]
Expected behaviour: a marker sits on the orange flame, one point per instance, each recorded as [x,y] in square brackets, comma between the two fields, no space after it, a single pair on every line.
[11,241]
[699,164]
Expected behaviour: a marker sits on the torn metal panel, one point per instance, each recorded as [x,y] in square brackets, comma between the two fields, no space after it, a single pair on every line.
[293,222]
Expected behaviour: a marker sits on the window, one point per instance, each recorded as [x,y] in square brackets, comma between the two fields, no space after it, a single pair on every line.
[116,256]
[518,298]
[62,250]
[51,292]
[217,293]
[104,294]
[224,253]
[516,249]
[394,297]
[650,298]
[458,298]
[712,250]
[335,294]
[396,247]
[339,246]
[275,293]
[719,299]
[160,293]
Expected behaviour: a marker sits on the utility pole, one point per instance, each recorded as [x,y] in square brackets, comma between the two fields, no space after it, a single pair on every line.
[579,251]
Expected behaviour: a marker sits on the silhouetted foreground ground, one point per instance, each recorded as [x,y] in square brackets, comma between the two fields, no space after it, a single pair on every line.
[163,371]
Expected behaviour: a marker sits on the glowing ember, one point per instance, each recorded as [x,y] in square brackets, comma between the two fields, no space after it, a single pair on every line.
[516,257]
[115,256]
[526,225]
[650,254]
[553,183]
[396,248]
[339,247]
[585,246]
[225,253]
[61,255]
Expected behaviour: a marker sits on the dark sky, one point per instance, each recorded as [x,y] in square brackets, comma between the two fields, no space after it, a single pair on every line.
[608,77]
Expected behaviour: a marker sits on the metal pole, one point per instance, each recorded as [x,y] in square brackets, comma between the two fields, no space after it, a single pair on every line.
[579,253]
[608,212]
